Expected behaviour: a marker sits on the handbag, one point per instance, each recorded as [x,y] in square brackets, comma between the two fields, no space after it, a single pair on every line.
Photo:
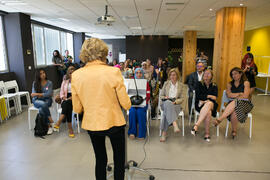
[136,99]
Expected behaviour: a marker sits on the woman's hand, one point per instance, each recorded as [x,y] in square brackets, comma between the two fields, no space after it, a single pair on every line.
[212,97]
[37,94]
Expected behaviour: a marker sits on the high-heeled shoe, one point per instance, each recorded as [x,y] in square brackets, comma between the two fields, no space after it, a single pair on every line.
[233,134]
[193,131]
[207,138]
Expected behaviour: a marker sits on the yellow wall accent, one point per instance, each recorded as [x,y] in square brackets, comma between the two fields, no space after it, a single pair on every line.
[259,41]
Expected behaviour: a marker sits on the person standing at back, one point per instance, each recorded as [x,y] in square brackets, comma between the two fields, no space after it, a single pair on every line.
[98,90]
[193,80]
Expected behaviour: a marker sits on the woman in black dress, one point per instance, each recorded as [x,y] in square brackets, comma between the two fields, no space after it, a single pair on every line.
[238,90]
[205,103]
[250,69]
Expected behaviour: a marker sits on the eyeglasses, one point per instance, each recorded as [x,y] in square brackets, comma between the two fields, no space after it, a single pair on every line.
[199,66]
[138,72]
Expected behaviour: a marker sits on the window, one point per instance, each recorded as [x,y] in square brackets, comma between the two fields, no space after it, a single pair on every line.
[46,40]
[38,40]
[70,44]
[3,56]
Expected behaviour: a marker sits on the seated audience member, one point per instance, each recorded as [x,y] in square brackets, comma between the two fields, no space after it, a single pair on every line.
[205,103]
[137,115]
[42,96]
[202,58]
[58,61]
[250,69]
[66,105]
[148,71]
[193,80]
[238,108]
[67,57]
[172,98]
[114,62]
[128,74]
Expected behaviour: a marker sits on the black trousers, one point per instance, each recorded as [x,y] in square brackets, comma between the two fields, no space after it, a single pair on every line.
[117,139]
[67,109]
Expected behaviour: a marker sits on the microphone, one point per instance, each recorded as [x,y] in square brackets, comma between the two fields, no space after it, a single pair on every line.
[136,99]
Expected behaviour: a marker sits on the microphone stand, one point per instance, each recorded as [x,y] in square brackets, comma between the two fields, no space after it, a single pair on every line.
[131,164]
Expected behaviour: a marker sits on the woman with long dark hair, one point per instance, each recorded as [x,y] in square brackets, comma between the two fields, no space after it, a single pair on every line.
[250,69]
[42,95]
[238,90]
[58,61]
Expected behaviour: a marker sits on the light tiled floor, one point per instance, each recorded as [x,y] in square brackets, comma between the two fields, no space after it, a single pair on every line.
[24,157]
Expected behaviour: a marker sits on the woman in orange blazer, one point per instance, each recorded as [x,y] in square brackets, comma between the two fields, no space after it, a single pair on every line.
[98,90]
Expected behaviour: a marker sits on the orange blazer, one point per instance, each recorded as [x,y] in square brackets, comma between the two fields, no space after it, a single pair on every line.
[99,91]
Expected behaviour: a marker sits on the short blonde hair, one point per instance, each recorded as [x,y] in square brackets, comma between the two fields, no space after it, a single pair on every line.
[93,49]
[176,72]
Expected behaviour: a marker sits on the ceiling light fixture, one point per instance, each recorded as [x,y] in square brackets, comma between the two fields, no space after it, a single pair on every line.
[13,3]
[64,19]
[210,9]
[136,28]
[241,4]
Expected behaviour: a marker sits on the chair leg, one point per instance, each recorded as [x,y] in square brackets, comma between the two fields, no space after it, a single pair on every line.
[250,127]
[29,119]
[78,123]
[217,131]
[8,107]
[28,99]
[147,122]
[183,125]
[227,128]
[190,116]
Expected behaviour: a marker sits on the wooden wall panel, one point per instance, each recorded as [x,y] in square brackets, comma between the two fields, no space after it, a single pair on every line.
[229,38]
[189,53]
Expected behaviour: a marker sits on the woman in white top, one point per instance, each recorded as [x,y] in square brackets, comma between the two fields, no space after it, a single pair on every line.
[172,98]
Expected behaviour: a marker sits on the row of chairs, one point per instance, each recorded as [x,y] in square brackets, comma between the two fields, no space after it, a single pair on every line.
[15,97]
[225,100]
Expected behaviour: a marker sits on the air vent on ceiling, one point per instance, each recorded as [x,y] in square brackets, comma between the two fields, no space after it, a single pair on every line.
[174,3]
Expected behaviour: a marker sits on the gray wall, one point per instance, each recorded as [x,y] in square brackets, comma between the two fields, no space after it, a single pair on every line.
[119,45]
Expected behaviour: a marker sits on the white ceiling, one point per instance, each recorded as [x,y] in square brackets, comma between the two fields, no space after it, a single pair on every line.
[154,16]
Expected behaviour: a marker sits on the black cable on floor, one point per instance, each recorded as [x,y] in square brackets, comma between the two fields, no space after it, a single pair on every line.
[145,141]
[210,170]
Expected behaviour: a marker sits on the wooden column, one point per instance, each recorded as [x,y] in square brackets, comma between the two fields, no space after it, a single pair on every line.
[229,38]
[189,53]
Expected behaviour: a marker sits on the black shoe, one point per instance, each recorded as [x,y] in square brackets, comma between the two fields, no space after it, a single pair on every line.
[193,132]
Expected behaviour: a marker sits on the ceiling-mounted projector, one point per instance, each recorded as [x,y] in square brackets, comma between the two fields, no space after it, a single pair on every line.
[106,19]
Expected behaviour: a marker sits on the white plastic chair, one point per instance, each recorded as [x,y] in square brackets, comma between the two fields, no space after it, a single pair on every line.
[9,97]
[13,85]
[31,120]
[225,99]
[192,109]
[75,121]
[196,118]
